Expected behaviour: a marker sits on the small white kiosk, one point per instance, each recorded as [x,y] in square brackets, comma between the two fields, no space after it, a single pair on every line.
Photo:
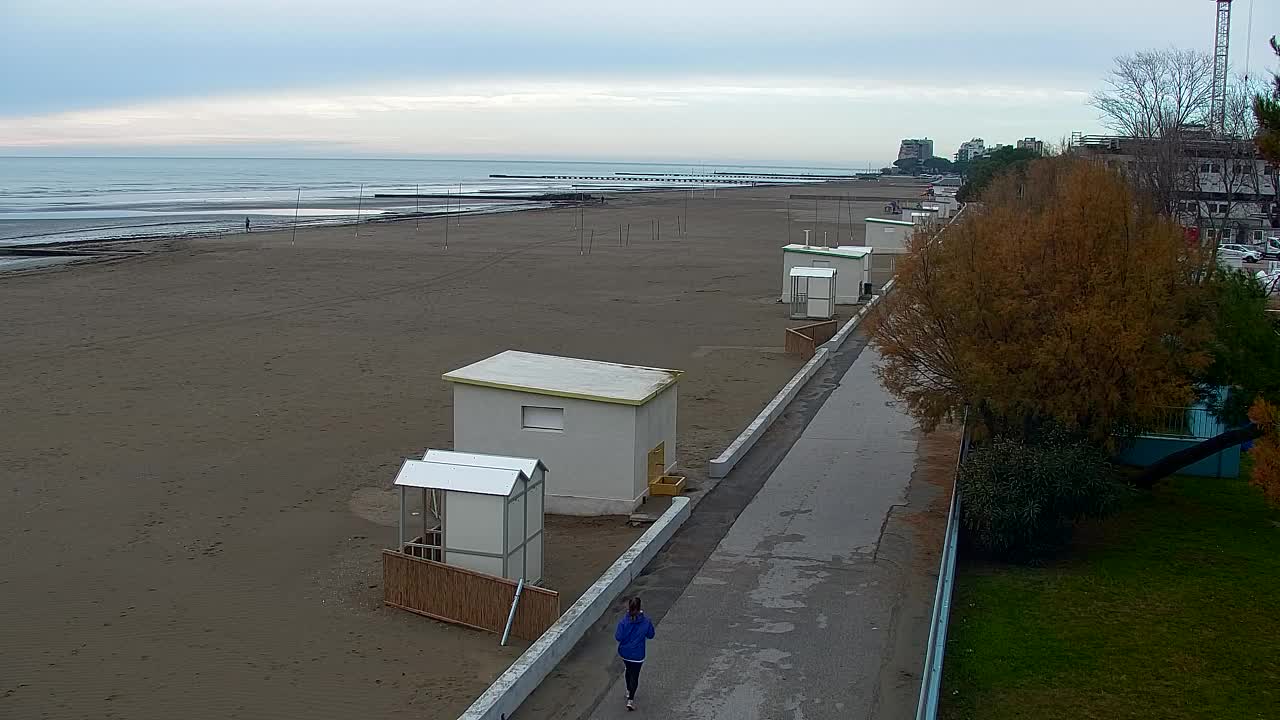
[607,429]
[489,508]
[813,293]
[851,263]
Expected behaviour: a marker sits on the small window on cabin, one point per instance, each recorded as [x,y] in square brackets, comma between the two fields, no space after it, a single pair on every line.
[533,417]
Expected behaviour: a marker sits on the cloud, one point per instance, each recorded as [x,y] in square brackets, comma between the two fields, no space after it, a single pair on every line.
[691,117]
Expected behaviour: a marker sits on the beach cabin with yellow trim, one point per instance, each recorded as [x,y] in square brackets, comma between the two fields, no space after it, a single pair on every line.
[604,430]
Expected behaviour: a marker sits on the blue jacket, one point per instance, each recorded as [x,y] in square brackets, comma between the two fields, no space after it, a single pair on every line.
[631,634]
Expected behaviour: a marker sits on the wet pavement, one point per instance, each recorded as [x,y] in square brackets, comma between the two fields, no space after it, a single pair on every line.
[795,614]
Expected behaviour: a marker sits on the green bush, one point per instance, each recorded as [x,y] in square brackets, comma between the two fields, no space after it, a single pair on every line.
[1020,502]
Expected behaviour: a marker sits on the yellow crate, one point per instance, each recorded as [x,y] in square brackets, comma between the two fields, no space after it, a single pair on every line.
[667,485]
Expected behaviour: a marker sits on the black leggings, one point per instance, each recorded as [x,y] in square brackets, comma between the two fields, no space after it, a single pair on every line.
[633,677]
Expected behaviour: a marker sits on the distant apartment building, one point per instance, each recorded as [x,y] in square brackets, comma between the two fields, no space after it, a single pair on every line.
[1224,188]
[970,150]
[920,149]
[1032,144]
[992,149]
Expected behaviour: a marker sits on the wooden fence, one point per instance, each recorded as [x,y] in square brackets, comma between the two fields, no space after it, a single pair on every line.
[457,595]
[804,340]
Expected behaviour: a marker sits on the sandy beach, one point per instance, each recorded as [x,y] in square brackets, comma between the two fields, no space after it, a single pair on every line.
[197,443]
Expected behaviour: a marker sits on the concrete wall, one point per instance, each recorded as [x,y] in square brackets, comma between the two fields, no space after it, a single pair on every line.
[887,238]
[1147,450]
[850,274]
[530,669]
[720,465]
[655,423]
[589,463]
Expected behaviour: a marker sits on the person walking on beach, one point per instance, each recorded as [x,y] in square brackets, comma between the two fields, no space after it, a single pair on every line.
[246,225]
[633,630]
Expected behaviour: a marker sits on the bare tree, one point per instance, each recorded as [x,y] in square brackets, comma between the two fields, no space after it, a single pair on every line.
[1156,100]
[1155,94]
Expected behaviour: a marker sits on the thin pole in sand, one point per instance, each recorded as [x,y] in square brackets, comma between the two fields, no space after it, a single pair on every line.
[592,242]
[619,234]
[839,207]
[848,207]
[788,218]
[684,223]
[415,223]
[296,205]
[628,234]
[359,208]
[815,214]
[446,219]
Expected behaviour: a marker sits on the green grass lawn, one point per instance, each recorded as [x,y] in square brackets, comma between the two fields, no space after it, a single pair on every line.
[1169,609]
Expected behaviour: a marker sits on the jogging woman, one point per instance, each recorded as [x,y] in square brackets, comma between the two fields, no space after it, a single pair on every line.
[633,630]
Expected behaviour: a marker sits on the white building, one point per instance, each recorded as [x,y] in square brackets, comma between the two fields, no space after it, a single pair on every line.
[813,293]
[1032,144]
[970,150]
[490,512]
[889,240]
[922,215]
[1224,188]
[604,429]
[888,236]
[851,263]
[918,148]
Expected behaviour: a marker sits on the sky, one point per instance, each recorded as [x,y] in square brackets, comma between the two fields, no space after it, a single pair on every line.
[800,82]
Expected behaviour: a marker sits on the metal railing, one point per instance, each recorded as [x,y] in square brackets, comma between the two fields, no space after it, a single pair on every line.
[935,653]
[1183,422]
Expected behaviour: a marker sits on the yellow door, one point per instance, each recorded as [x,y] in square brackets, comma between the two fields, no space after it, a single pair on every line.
[657,461]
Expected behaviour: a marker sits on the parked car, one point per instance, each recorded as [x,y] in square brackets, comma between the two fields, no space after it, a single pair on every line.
[1270,282]
[1244,252]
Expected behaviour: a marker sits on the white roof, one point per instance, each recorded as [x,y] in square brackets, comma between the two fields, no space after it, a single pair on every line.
[567,377]
[813,272]
[528,466]
[458,478]
[887,221]
[849,251]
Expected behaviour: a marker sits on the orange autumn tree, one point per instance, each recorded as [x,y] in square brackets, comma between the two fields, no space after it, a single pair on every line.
[1266,450]
[1059,300]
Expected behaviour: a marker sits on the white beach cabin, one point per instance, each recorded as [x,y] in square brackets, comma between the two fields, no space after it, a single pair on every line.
[490,511]
[889,236]
[851,263]
[606,428]
[813,293]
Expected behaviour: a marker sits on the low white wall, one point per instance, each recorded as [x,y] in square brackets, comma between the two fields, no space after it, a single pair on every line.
[725,461]
[530,669]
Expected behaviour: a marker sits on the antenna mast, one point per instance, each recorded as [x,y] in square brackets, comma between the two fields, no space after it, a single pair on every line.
[1218,108]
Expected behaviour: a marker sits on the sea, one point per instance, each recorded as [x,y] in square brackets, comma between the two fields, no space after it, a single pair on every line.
[67,200]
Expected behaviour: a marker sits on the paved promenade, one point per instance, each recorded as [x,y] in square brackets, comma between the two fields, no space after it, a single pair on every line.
[793,615]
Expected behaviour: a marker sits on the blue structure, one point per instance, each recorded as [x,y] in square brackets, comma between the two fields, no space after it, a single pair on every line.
[1178,429]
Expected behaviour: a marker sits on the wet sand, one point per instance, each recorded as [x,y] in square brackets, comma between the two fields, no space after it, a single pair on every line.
[196,444]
